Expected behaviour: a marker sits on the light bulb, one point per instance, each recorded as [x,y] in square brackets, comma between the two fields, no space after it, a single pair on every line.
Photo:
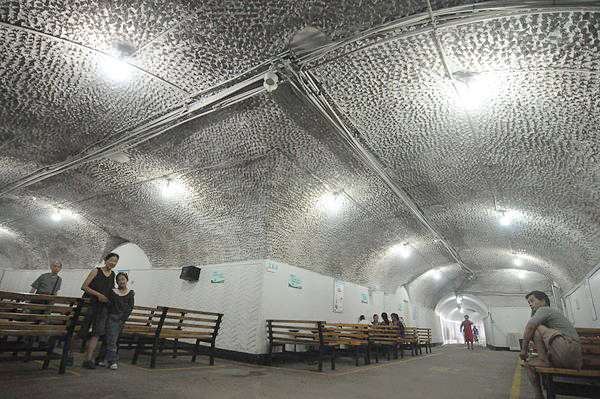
[56,216]
[172,188]
[115,69]
[518,262]
[436,274]
[332,202]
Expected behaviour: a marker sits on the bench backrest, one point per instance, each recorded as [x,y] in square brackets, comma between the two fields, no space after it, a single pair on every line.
[385,334]
[196,321]
[295,331]
[590,347]
[347,333]
[142,319]
[33,314]
[424,335]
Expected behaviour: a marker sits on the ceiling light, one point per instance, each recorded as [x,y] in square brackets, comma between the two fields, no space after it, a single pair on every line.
[401,249]
[270,81]
[521,274]
[172,188]
[458,299]
[115,69]
[474,90]
[56,216]
[518,262]
[505,220]
[332,202]
[436,274]
[462,310]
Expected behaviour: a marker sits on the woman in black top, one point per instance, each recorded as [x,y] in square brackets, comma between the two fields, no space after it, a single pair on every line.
[97,286]
[384,317]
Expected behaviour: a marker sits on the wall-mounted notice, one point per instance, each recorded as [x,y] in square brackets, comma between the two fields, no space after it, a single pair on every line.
[217,276]
[271,268]
[295,281]
[338,296]
[364,298]
[415,315]
[577,305]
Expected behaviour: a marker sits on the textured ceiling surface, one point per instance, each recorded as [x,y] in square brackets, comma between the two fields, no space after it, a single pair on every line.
[257,179]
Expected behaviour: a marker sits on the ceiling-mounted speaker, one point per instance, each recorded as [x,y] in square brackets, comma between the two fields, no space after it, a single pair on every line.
[190,273]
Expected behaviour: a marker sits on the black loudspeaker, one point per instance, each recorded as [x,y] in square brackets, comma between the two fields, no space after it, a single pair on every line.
[190,273]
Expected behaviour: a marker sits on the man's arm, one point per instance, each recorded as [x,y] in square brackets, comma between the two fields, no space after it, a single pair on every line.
[35,285]
[527,336]
[33,290]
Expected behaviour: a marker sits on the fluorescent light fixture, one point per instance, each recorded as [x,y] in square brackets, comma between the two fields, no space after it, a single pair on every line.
[505,220]
[462,310]
[115,69]
[458,299]
[508,217]
[332,202]
[436,274]
[518,262]
[172,188]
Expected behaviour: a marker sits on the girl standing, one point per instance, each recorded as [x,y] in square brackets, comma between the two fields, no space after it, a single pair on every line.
[121,305]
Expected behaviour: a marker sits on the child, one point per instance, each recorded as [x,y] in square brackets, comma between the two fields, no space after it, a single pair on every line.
[121,305]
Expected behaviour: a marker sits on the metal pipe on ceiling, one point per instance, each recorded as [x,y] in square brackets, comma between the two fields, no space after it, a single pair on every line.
[308,88]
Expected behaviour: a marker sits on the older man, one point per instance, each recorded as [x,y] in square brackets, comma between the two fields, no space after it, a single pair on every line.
[554,338]
[48,283]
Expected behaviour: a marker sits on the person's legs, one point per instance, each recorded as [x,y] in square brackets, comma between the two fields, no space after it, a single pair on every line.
[541,361]
[113,327]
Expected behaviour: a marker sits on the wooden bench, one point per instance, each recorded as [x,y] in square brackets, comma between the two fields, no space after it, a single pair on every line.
[308,333]
[571,382]
[387,338]
[139,321]
[347,338]
[411,340]
[160,331]
[26,316]
[424,339]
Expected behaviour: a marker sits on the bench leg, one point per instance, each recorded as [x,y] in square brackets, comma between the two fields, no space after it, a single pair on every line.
[175,348]
[368,356]
[333,359]
[547,383]
[49,352]
[320,358]
[65,354]
[155,347]
[138,342]
[195,350]
[356,355]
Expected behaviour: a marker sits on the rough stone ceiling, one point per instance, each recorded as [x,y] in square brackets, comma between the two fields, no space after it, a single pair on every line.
[255,175]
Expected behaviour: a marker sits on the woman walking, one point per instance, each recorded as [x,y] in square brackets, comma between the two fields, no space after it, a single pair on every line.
[466,326]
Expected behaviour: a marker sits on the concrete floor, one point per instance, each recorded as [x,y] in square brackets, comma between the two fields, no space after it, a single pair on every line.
[450,372]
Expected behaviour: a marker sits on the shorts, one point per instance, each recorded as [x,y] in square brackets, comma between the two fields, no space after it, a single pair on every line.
[563,351]
[95,318]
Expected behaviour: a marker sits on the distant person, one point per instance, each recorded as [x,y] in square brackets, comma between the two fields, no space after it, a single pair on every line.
[555,340]
[97,286]
[363,320]
[375,321]
[385,319]
[468,332]
[121,305]
[476,333]
[397,323]
[48,283]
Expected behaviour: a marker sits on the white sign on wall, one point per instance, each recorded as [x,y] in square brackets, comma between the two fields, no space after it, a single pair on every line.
[338,296]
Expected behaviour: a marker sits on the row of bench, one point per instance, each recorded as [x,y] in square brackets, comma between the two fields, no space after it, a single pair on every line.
[582,383]
[151,331]
[333,340]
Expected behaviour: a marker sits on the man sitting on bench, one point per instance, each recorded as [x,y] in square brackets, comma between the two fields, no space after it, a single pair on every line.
[554,338]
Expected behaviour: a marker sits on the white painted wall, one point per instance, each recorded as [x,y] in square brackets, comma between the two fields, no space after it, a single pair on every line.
[248,297]
[505,320]
[582,302]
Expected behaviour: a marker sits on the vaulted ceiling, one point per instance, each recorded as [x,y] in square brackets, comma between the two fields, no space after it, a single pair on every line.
[400,136]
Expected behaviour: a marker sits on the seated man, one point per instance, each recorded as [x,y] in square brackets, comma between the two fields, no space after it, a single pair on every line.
[554,338]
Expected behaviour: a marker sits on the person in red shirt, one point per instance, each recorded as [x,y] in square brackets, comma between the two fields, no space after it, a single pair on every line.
[468,331]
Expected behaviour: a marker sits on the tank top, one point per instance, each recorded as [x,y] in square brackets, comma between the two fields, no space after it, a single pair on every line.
[101,283]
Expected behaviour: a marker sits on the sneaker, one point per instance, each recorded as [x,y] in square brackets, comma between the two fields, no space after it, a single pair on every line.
[113,366]
[100,363]
[88,364]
